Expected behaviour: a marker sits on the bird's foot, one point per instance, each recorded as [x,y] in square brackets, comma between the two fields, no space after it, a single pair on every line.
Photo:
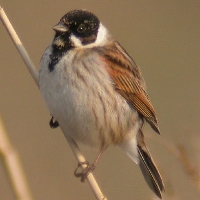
[85,170]
[53,123]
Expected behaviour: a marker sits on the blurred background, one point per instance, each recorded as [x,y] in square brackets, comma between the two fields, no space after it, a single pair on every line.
[163,38]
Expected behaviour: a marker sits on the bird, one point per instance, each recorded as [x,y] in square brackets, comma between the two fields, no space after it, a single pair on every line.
[96,93]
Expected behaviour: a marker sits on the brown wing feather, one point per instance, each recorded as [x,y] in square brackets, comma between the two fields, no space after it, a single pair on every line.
[128,81]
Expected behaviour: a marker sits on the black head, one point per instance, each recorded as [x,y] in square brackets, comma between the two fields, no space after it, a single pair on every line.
[82,24]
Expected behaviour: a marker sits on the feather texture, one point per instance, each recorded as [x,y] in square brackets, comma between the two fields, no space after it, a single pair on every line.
[148,168]
[128,81]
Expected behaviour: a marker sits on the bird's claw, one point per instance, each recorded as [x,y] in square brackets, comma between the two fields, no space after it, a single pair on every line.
[53,123]
[85,170]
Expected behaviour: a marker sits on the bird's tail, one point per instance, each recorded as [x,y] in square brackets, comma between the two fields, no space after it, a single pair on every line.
[148,168]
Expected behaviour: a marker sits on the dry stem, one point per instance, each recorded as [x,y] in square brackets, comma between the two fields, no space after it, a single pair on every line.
[99,195]
[180,153]
[188,165]
[13,167]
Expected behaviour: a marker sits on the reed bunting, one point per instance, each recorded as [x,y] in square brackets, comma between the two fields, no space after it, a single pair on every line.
[96,93]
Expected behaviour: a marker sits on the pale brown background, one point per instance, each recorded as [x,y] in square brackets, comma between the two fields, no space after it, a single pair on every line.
[164,39]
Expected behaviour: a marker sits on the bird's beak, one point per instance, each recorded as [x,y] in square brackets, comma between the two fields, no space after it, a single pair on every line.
[60,27]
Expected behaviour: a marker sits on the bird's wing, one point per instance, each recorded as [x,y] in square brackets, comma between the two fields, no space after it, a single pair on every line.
[128,81]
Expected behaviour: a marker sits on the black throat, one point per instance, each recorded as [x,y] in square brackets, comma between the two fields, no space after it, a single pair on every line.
[60,46]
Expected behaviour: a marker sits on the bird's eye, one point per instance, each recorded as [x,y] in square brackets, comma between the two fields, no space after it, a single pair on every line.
[82,28]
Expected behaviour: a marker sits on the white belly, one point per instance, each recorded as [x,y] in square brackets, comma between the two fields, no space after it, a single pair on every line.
[81,97]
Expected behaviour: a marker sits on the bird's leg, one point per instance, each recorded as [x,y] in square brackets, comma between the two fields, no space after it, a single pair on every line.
[88,169]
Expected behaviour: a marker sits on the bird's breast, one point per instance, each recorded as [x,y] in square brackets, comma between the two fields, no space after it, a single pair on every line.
[81,97]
